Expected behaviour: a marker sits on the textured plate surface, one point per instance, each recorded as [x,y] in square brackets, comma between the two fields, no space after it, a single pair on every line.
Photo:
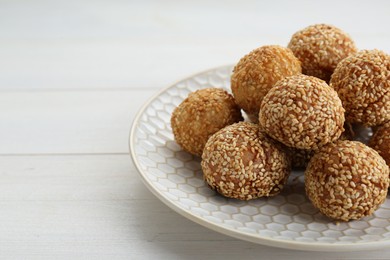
[287,220]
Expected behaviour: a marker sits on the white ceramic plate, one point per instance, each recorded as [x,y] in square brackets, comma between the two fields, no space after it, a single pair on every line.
[287,220]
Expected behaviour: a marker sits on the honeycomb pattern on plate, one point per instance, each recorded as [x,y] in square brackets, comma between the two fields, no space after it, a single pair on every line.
[177,176]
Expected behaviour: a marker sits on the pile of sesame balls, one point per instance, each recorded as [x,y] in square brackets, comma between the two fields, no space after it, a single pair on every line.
[303,102]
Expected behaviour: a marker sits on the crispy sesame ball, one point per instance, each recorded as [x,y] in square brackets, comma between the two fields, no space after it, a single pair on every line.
[347,180]
[380,141]
[201,114]
[241,162]
[363,83]
[302,112]
[258,71]
[320,48]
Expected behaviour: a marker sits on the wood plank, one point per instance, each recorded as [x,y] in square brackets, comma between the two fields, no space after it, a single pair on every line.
[72,76]
[149,44]
[107,64]
[68,121]
[127,63]
[157,20]
[96,207]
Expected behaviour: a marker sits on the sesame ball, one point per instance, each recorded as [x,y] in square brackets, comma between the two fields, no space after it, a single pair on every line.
[258,71]
[302,112]
[320,48]
[362,82]
[241,162]
[201,114]
[380,141]
[347,180]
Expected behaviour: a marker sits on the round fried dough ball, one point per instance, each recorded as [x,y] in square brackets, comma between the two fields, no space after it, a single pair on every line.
[320,48]
[201,114]
[302,112]
[380,141]
[258,71]
[347,180]
[362,82]
[242,163]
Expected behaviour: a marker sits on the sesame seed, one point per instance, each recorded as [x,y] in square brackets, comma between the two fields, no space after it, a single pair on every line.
[258,168]
[340,194]
[257,72]
[364,93]
[380,141]
[320,48]
[202,114]
[299,128]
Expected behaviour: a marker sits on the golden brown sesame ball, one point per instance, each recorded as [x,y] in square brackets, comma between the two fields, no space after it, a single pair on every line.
[320,48]
[347,180]
[362,82]
[201,114]
[242,163]
[302,112]
[258,71]
[380,141]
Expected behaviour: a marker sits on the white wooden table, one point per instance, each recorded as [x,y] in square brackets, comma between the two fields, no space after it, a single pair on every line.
[73,75]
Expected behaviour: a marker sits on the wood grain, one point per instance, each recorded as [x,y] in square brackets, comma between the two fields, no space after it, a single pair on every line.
[74,73]
[58,122]
[96,207]
[150,44]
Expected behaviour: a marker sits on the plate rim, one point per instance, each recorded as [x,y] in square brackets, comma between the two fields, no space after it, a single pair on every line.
[287,244]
